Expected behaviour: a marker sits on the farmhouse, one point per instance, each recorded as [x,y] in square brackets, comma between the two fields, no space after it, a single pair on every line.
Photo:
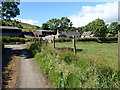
[42,33]
[11,31]
[87,34]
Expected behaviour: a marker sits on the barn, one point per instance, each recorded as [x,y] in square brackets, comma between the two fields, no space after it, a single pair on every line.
[11,31]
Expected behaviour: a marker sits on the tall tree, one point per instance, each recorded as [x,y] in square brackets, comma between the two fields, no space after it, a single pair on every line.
[113,28]
[98,27]
[45,26]
[10,9]
[62,24]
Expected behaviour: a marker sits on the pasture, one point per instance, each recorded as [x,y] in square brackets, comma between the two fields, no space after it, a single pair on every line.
[106,51]
[94,66]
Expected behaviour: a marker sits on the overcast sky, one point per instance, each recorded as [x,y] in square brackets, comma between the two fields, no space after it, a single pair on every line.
[80,13]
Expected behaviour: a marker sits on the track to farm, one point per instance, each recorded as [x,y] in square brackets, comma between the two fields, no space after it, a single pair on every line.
[29,75]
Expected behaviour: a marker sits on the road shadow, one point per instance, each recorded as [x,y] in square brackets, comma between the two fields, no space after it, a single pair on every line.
[23,53]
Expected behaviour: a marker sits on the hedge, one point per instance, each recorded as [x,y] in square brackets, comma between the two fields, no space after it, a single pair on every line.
[95,39]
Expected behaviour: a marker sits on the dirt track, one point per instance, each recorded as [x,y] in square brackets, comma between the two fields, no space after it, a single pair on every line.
[29,75]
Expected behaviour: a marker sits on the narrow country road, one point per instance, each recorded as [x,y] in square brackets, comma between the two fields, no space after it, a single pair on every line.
[29,73]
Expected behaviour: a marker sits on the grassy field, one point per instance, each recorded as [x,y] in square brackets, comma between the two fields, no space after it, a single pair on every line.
[94,66]
[107,51]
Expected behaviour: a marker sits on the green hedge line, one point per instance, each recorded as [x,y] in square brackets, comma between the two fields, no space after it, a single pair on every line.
[17,39]
[95,39]
[67,70]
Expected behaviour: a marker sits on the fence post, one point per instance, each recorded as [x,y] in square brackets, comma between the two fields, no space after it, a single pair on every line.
[118,47]
[46,41]
[74,45]
[54,41]
[41,41]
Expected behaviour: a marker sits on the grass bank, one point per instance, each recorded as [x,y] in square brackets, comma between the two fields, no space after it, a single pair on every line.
[83,70]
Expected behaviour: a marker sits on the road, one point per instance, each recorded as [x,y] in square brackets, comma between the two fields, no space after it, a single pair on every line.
[29,73]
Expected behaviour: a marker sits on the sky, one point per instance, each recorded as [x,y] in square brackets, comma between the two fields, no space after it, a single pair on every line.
[80,13]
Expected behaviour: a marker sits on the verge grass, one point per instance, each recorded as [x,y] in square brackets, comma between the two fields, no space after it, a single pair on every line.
[86,69]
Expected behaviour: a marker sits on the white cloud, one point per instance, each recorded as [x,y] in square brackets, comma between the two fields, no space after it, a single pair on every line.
[29,21]
[108,12]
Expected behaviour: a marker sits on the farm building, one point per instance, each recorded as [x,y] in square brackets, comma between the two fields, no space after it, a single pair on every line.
[11,31]
[28,34]
[68,34]
[87,34]
[42,33]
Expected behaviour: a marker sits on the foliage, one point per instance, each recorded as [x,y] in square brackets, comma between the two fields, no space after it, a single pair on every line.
[109,39]
[57,24]
[67,70]
[98,27]
[109,35]
[16,39]
[14,23]
[35,48]
[10,9]
[17,23]
[113,28]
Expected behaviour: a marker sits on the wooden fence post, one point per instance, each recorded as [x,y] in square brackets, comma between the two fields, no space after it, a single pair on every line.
[54,41]
[118,47]
[41,41]
[46,41]
[74,45]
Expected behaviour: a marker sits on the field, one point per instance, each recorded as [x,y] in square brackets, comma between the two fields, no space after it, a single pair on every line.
[107,51]
[94,66]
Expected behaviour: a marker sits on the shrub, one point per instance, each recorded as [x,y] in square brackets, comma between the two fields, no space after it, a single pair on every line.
[88,39]
[108,39]
[35,48]
[109,35]
[62,39]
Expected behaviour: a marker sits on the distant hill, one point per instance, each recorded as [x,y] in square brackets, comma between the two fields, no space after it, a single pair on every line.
[24,26]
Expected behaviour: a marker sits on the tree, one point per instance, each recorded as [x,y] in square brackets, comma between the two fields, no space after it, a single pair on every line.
[55,24]
[113,28]
[10,9]
[45,26]
[65,24]
[98,27]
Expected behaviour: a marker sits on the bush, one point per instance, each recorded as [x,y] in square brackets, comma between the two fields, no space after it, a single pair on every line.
[62,39]
[35,48]
[13,39]
[88,39]
[108,39]
[109,35]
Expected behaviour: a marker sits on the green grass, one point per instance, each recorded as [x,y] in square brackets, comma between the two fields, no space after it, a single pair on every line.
[90,68]
[107,51]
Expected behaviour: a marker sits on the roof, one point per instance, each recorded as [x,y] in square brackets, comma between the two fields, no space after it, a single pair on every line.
[28,33]
[70,33]
[87,33]
[42,30]
[8,27]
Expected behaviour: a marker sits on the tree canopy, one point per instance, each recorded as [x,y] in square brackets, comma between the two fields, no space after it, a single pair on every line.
[113,28]
[10,9]
[62,24]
